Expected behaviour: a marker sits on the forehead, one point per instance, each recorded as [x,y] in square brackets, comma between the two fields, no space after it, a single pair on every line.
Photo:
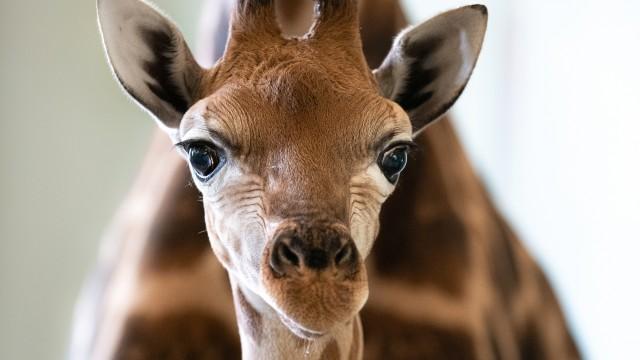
[338,121]
[298,102]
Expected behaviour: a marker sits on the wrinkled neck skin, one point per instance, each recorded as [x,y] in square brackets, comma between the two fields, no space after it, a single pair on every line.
[264,336]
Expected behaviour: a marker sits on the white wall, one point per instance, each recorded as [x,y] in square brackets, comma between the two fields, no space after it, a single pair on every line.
[70,143]
[552,121]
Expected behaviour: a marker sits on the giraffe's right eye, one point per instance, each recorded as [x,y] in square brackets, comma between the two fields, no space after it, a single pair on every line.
[204,160]
[393,161]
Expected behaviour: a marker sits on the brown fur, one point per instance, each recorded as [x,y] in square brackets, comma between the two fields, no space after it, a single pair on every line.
[332,351]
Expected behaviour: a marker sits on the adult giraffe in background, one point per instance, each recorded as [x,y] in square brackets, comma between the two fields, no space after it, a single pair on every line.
[447,278]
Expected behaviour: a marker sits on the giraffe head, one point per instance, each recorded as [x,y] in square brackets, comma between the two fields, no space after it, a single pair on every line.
[294,143]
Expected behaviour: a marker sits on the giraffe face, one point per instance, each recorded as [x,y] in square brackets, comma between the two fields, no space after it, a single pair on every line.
[294,143]
[293,180]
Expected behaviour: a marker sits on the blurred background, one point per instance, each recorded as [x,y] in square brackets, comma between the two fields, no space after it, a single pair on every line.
[551,120]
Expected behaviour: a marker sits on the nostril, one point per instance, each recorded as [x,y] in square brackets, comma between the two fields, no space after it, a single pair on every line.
[308,251]
[343,255]
[286,253]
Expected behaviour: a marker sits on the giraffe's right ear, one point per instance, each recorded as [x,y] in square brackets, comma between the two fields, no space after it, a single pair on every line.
[430,64]
[150,59]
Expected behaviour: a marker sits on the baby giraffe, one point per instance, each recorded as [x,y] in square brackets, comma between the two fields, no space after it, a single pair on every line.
[294,144]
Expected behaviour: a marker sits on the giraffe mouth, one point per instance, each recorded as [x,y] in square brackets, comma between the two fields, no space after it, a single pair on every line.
[300,331]
[311,309]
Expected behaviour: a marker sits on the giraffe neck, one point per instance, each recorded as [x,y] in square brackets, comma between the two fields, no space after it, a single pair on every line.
[264,336]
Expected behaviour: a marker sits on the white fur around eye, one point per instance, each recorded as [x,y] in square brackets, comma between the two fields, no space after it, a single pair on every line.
[381,183]
[369,190]
[197,133]
[233,202]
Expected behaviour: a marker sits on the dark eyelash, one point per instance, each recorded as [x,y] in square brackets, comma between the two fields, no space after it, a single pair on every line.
[185,145]
[410,145]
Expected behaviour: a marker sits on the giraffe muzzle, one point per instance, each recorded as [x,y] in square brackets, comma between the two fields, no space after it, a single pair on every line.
[315,276]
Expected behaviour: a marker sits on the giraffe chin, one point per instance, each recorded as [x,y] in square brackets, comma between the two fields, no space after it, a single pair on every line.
[312,306]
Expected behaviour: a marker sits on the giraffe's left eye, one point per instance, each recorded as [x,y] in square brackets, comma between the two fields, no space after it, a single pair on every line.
[393,161]
[204,160]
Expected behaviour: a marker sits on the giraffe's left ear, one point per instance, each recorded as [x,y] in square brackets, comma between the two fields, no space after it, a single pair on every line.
[429,64]
[150,59]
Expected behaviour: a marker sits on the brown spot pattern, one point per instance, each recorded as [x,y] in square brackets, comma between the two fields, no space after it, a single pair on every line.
[493,340]
[503,266]
[190,334]
[549,301]
[422,250]
[390,337]
[530,343]
[178,234]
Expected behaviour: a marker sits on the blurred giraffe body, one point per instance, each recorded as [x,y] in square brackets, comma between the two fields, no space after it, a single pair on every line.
[447,279]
